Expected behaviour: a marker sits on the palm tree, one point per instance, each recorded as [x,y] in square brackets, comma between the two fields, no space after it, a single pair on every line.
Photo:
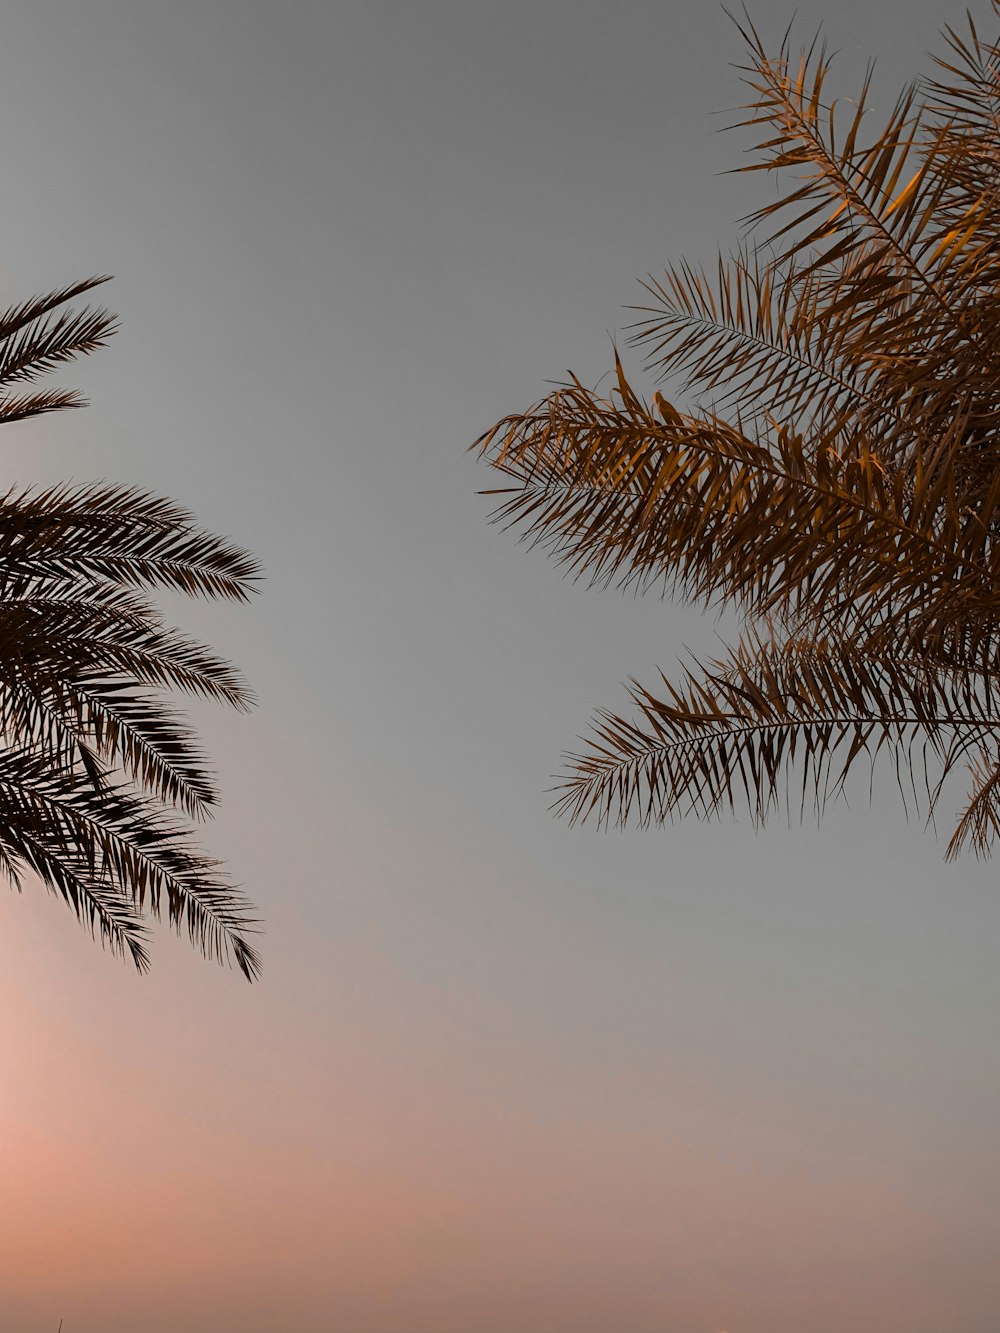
[91,757]
[828,465]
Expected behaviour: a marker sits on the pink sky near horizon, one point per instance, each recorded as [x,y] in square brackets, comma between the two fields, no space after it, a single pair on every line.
[372,1186]
[205,1160]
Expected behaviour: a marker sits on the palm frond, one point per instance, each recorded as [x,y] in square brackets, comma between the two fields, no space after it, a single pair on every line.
[71,676]
[38,336]
[18,317]
[128,849]
[21,407]
[837,477]
[56,636]
[777,722]
[120,534]
[879,215]
[861,179]
[980,822]
[40,347]
[91,755]
[752,332]
[964,103]
[78,721]
[696,504]
[32,844]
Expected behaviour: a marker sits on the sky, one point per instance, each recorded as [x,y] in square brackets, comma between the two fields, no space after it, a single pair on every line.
[498,1073]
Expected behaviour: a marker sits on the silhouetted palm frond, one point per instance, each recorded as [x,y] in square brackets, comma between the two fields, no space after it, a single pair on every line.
[91,755]
[111,852]
[40,335]
[835,474]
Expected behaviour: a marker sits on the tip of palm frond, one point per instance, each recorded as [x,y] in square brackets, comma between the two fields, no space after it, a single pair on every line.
[21,407]
[247,959]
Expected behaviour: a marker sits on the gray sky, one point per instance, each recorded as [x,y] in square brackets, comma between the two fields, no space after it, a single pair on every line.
[498,1073]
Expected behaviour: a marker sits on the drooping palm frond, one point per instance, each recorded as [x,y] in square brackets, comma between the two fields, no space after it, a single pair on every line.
[92,756]
[110,853]
[780,722]
[118,534]
[836,474]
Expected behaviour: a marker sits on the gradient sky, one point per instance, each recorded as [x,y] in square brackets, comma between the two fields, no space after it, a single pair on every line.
[498,1075]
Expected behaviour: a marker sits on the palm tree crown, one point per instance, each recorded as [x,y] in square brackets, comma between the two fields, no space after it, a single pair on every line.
[91,757]
[833,471]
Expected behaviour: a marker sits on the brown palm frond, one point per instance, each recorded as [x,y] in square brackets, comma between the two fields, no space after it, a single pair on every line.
[980,822]
[965,103]
[751,331]
[837,476]
[776,717]
[880,217]
[854,198]
[694,502]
